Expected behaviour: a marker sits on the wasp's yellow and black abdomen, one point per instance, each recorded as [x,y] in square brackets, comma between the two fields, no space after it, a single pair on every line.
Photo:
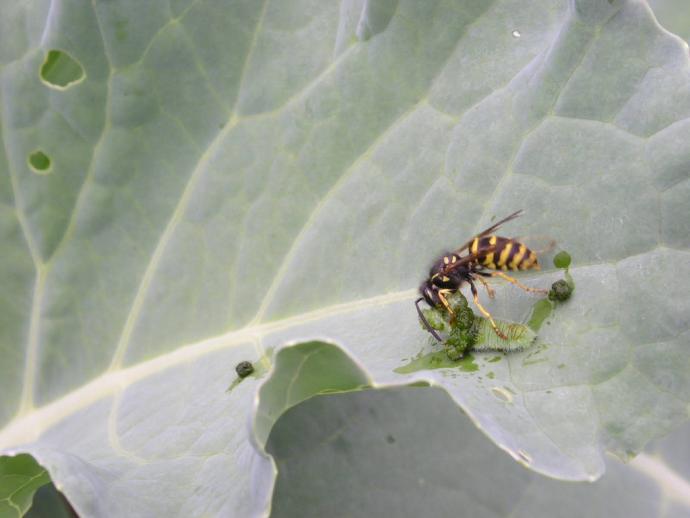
[502,253]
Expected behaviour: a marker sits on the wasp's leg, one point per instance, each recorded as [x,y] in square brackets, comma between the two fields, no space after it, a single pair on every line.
[444,301]
[484,312]
[489,290]
[517,283]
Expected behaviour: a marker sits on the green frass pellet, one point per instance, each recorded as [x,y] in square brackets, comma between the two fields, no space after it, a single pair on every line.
[560,291]
[244,369]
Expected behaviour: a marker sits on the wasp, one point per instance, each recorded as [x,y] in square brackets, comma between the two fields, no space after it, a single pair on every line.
[487,255]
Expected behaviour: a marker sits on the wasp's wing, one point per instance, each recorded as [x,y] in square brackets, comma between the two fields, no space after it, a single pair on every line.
[469,258]
[540,244]
[489,230]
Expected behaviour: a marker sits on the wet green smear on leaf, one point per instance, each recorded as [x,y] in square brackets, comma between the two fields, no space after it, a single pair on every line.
[569,279]
[234,384]
[60,70]
[561,291]
[419,384]
[541,310]
[438,360]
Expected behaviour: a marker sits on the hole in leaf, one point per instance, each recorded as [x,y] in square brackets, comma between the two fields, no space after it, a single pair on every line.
[39,162]
[60,70]
[375,17]
[303,371]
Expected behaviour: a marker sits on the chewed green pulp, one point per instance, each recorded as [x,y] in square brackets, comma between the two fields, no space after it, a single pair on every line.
[560,291]
[467,331]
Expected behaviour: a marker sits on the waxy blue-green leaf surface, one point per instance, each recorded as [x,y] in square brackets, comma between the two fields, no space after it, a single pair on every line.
[227,178]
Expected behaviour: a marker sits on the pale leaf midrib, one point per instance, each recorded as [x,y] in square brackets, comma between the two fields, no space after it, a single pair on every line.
[29,427]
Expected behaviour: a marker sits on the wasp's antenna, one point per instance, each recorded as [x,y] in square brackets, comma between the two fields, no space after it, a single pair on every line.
[425,321]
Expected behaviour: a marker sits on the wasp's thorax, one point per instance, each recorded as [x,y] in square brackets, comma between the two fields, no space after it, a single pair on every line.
[443,278]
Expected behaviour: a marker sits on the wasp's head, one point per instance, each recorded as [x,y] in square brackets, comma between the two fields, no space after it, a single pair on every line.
[430,293]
